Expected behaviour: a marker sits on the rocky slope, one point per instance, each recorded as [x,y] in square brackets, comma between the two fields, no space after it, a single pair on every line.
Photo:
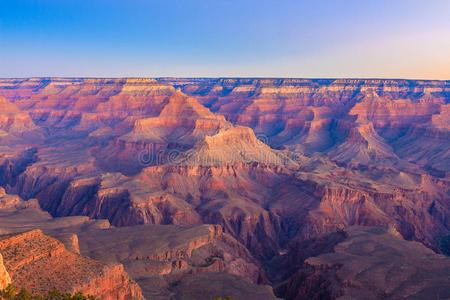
[372,263]
[157,257]
[160,257]
[41,264]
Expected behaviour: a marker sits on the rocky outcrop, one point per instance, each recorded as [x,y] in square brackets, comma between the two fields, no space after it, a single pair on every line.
[70,241]
[152,251]
[378,203]
[151,254]
[4,276]
[364,146]
[13,120]
[40,264]
[371,263]
[181,248]
[232,146]
[15,202]
[183,121]
[8,200]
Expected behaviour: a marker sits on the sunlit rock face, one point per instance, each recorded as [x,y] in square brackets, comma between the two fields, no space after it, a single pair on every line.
[5,280]
[272,161]
[160,258]
[42,264]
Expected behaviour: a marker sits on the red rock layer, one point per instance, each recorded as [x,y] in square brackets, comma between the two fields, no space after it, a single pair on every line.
[139,151]
[40,264]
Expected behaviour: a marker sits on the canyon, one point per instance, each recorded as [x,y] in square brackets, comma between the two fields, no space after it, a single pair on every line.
[250,188]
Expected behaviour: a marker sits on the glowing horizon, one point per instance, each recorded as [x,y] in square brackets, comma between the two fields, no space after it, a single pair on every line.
[404,39]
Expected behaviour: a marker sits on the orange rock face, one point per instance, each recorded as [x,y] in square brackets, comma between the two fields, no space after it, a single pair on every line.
[41,264]
[4,276]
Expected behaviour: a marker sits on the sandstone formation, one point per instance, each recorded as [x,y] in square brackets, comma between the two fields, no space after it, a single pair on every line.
[158,256]
[13,120]
[4,276]
[41,264]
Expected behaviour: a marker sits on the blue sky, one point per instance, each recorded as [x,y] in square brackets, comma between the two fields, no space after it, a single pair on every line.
[192,38]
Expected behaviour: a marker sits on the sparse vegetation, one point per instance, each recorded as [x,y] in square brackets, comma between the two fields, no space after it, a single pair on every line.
[10,293]
[209,261]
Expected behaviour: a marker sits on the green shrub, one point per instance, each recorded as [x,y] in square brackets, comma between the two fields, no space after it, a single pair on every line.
[10,293]
[23,295]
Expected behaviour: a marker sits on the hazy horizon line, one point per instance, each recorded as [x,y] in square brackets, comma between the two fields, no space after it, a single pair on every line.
[229,77]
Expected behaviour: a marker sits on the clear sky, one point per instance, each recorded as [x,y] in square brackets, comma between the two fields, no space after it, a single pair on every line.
[233,38]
